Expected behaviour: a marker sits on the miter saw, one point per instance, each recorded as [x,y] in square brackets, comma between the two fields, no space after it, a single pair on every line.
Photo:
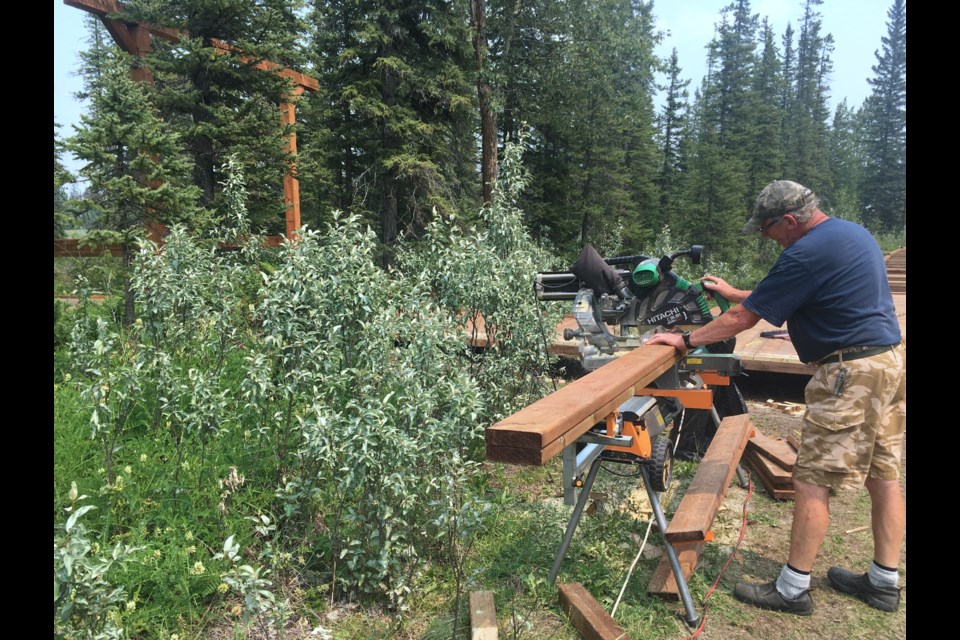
[620,302]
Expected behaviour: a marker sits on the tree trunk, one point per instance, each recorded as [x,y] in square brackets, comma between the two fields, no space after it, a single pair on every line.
[488,119]
[388,191]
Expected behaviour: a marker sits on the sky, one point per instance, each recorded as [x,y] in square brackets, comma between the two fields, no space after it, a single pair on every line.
[856,25]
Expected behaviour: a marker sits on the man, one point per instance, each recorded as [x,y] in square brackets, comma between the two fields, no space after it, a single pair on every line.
[830,286]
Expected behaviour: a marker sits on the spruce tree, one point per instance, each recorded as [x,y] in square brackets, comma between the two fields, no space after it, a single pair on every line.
[717,189]
[884,187]
[673,122]
[61,178]
[808,114]
[219,101]
[765,144]
[846,160]
[133,163]
[400,108]
[581,76]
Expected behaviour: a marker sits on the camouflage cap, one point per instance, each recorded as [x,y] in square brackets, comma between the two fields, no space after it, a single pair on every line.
[778,198]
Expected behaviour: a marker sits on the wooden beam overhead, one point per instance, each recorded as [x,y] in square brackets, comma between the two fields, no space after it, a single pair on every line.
[112,11]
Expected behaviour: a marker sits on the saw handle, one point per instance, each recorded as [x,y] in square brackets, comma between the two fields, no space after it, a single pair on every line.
[722,302]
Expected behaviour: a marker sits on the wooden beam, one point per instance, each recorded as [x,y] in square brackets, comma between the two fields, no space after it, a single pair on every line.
[779,451]
[777,482]
[546,426]
[702,499]
[291,186]
[71,247]
[664,583]
[586,614]
[483,616]
[113,10]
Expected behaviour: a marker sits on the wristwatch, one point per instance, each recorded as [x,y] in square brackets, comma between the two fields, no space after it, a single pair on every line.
[686,340]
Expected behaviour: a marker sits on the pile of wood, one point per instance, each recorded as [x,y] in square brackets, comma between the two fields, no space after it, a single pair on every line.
[772,462]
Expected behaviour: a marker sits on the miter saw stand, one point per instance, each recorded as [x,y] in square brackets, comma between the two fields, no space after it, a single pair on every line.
[634,434]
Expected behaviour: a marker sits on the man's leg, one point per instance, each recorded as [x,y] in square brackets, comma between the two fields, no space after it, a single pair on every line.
[878,587]
[888,516]
[790,592]
[811,517]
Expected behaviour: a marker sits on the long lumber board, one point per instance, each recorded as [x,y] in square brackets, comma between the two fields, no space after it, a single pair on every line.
[704,494]
[537,433]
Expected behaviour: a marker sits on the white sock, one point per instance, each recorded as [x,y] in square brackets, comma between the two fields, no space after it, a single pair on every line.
[881,577]
[791,584]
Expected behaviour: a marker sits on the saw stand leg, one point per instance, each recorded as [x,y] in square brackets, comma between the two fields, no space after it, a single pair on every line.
[574,519]
[693,619]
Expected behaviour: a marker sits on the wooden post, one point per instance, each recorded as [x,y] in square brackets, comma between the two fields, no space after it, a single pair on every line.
[134,38]
[291,186]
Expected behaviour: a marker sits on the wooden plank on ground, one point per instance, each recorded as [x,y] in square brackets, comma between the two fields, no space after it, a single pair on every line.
[568,413]
[779,489]
[587,616]
[779,477]
[483,616]
[703,496]
[779,451]
[793,442]
[664,583]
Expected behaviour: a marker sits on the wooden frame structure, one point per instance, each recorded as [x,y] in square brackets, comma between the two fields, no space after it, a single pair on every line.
[135,38]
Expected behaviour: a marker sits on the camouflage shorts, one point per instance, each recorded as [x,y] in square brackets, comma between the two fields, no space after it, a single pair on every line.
[859,434]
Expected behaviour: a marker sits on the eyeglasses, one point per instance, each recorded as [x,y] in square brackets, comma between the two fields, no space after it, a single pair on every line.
[766,227]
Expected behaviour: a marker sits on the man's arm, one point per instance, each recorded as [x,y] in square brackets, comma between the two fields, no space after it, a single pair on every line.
[727,325]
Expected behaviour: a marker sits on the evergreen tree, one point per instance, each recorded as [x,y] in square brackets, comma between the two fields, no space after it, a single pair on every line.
[846,160]
[884,187]
[488,117]
[401,108]
[765,145]
[581,76]
[133,163]
[672,131]
[217,98]
[808,114]
[718,188]
[61,178]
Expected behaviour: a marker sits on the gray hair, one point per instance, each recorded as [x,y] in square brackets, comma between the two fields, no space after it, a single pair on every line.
[804,213]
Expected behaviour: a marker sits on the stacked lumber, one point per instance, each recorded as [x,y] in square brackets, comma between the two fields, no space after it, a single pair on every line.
[540,431]
[772,461]
[897,270]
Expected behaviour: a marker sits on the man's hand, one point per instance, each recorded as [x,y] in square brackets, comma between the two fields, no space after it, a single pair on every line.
[716,284]
[675,340]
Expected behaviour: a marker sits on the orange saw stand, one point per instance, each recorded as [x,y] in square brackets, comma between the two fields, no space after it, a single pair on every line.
[636,434]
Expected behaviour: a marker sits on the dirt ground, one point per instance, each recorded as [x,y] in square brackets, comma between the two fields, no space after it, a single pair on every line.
[766,543]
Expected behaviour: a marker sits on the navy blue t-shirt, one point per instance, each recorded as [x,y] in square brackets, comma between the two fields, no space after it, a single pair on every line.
[831,289]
